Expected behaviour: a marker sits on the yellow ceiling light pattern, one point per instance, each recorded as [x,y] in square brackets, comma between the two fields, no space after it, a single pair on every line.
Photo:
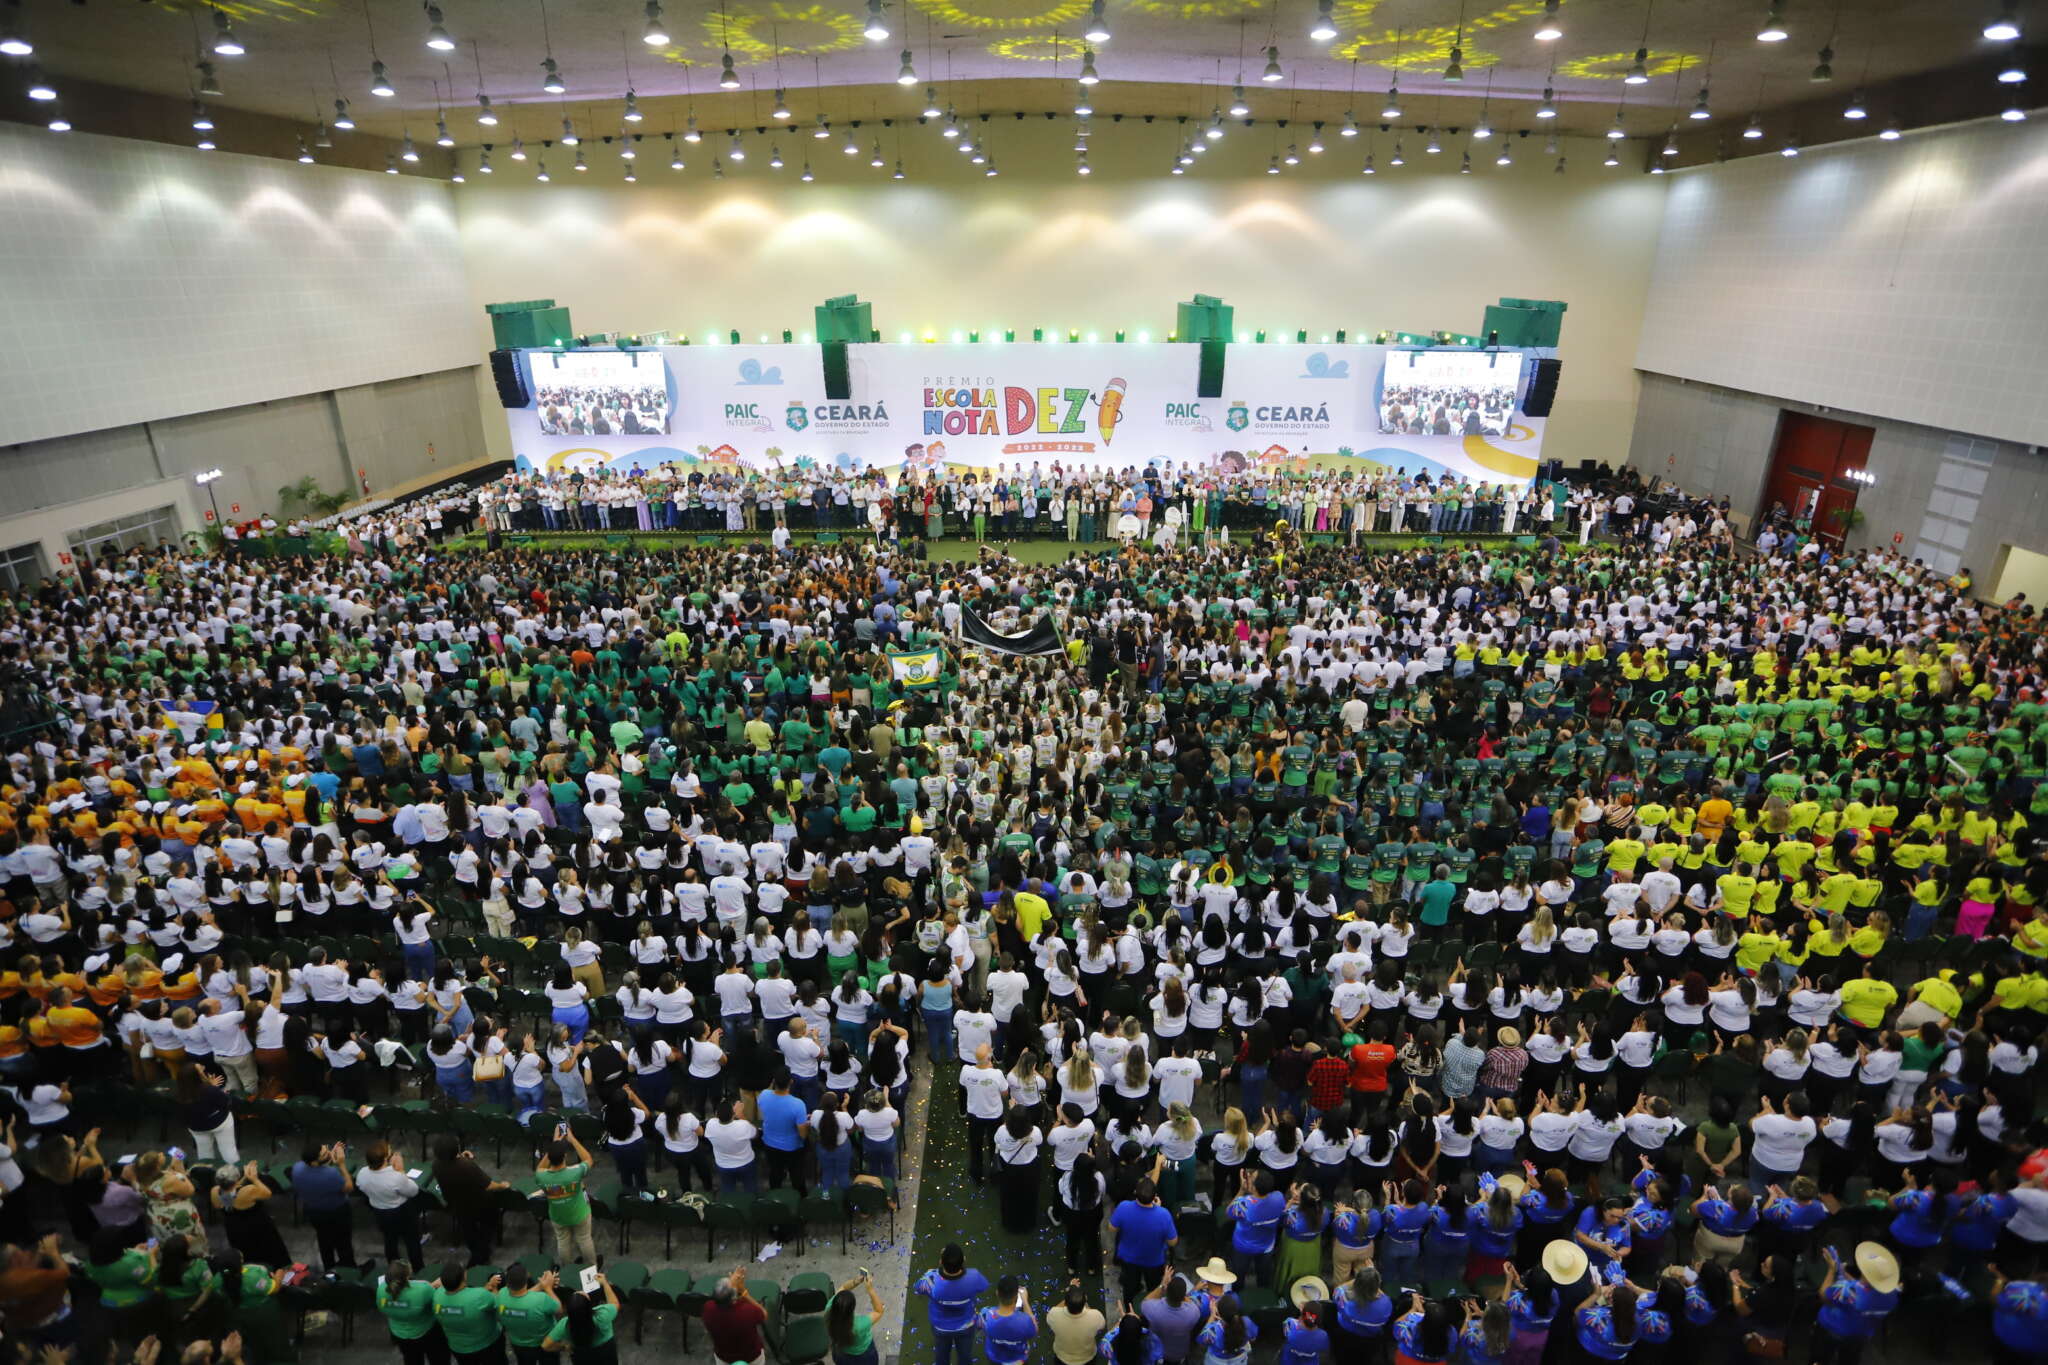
[1428,50]
[239,10]
[1003,14]
[1205,9]
[763,30]
[1615,65]
[1039,47]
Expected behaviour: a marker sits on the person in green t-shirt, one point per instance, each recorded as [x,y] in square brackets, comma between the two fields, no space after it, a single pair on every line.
[408,1308]
[126,1275]
[527,1309]
[851,1331]
[561,1180]
[585,1331]
[467,1314]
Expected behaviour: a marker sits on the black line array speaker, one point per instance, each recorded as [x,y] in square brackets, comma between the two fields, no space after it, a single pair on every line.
[838,378]
[505,369]
[1209,381]
[1542,388]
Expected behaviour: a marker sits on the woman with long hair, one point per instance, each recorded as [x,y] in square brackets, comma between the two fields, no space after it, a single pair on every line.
[851,1331]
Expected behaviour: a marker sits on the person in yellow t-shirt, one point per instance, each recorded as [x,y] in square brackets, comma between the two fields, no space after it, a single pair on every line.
[1867,998]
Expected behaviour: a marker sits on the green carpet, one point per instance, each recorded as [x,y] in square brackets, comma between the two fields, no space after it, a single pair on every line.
[952,1208]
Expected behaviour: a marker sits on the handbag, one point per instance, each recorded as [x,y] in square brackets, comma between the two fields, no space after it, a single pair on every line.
[489,1067]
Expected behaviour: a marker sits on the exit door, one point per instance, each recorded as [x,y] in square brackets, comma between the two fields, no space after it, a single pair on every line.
[1811,468]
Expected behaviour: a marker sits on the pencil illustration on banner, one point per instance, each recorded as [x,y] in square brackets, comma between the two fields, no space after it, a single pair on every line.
[1110,409]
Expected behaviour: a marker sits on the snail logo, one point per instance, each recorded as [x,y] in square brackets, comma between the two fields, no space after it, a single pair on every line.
[754,375]
[1239,416]
[797,418]
[1320,366]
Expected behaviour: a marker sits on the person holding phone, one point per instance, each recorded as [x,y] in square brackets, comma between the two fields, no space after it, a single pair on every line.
[586,1329]
[734,1319]
[852,1331]
[561,1180]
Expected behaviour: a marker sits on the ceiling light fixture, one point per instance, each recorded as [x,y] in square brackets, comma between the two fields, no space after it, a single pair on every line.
[1083,106]
[1456,70]
[876,31]
[906,74]
[201,119]
[1325,26]
[931,103]
[2011,74]
[728,79]
[1214,131]
[437,36]
[774,157]
[2006,26]
[1670,144]
[655,34]
[1350,128]
[1547,109]
[1315,142]
[39,87]
[1273,166]
[581,164]
[483,162]
[1397,159]
[1791,147]
[486,115]
[1891,132]
[225,43]
[1392,108]
[1097,31]
[1700,110]
[380,83]
[441,137]
[1612,159]
[1548,30]
[1272,72]
[852,147]
[1774,30]
[1618,129]
[737,151]
[1854,109]
[305,153]
[1754,128]
[390,163]
[540,171]
[690,133]
[1639,71]
[1432,147]
[343,120]
[1088,73]
[518,148]
[632,113]
[209,84]
[807,177]
[1367,169]
[13,40]
[551,78]
[569,138]
[409,153]
[1293,158]
[320,138]
[2014,113]
[1824,69]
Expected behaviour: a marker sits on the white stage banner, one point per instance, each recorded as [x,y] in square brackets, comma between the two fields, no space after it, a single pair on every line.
[989,405]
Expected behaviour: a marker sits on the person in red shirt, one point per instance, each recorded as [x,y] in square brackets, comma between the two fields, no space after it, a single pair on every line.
[1329,1076]
[1370,1062]
[734,1319]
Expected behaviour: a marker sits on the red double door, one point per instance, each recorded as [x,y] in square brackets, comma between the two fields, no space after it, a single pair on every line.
[1812,469]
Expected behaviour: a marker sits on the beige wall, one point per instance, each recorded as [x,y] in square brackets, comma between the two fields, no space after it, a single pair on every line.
[1322,247]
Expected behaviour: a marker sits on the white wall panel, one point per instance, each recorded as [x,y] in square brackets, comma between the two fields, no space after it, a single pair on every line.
[146,281]
[1903,279]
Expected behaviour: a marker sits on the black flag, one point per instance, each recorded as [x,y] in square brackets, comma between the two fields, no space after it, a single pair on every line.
[1042,638]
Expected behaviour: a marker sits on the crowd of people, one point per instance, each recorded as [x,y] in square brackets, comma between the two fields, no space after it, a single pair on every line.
[1447,409]
[592,409]
[1487,953]
[1048,501]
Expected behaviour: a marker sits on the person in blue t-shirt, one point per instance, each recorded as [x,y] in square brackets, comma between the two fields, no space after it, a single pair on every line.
[1303,1340]
[1145,1235]
[1487,1334]
[1132,1342]
[1405,1216]
[1424,1334]
[1255,1226]
[1921,1216]
[1363,1312]
[1533,1303]
[1610,1322]
[1008,1328]
[952,1289]
[1602,1231]
[1854,1303]
[1975,1222]
[2019,1320]
[1724,1224]
[785,1124]
[1227,1337]
[1789,1218]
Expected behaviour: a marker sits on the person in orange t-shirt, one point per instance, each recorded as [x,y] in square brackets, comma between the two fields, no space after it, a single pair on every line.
[1713,816]
[1370,1062]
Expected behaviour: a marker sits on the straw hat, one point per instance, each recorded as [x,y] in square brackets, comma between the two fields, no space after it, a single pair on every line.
[1566,1262]
[1509,1036]
[1308,1289]
[1878,1267]
[1214,1271]
[1514,1184]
